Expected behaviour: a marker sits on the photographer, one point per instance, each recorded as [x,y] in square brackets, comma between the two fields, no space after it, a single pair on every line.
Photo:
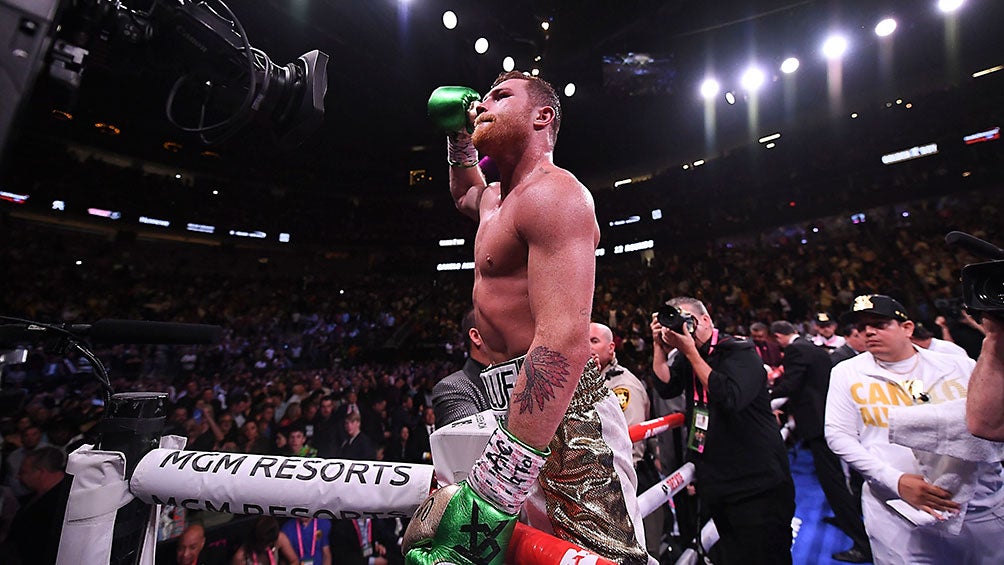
[743,479]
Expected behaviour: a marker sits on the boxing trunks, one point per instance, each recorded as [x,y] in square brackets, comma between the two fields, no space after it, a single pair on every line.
[586,492]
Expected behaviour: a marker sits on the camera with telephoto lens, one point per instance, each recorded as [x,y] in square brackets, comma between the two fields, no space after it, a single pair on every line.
[675,319]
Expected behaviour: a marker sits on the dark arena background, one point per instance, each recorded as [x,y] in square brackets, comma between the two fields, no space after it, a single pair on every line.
[773,158]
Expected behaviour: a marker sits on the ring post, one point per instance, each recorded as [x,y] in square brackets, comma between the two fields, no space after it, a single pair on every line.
[133,427]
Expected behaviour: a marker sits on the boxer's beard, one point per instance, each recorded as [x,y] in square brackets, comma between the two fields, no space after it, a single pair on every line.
[503,134]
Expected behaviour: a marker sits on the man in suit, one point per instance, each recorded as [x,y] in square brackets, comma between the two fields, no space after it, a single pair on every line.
[854,344]
[805,382]
[419,449]
[356,445]
[464,393]
[38,523]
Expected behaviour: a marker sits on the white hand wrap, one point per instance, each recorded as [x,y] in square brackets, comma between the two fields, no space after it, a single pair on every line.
[506,471]
[460,151]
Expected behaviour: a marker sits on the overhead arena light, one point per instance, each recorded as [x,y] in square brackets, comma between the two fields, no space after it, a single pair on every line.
[449,19]
[730,97]
[949,6]
[709,88]
[834,47]
[789,65]
[481,45]
[451,242]
[770,137]
[621,182]
[885,27]
[753,78]
[570,89]
[508,64]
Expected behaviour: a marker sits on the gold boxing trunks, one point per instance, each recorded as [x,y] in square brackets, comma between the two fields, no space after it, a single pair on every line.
[582,490]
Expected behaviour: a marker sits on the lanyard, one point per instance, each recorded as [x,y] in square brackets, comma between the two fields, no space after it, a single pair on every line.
[313,539]
[268,551]
[704,392]
[369,532]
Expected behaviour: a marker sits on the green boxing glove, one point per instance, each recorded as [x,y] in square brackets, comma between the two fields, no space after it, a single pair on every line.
[449,108]
[471,523]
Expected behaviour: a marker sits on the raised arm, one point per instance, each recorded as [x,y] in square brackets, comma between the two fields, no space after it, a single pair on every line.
[451,109]
[467,184]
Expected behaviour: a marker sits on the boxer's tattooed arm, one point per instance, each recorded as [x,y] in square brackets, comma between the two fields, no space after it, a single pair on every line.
[546,370]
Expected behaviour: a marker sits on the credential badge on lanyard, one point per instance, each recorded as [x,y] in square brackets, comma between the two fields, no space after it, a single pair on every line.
[702,416]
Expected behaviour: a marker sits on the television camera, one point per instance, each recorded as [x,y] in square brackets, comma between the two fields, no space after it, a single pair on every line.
[229,83]
[982,283]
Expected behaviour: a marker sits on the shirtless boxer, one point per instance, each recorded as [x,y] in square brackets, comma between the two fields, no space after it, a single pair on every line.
[534,257]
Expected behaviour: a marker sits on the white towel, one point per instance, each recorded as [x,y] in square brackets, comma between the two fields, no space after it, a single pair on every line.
[949,456]
[941,428]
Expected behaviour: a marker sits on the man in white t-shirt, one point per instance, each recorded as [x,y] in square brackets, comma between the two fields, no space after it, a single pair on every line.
[863,389]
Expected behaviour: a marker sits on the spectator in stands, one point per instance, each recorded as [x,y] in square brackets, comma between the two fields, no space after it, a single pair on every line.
[238,404]
[375,426]
[310,539]
[357,445]
[37,525]
[297,444]
[265,544]
[31,439]
[251,442]
[365,541]
[419,446]
[190,545]
[327,437]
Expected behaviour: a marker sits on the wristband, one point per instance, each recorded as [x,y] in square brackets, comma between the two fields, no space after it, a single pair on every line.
[460,151]
[506,471]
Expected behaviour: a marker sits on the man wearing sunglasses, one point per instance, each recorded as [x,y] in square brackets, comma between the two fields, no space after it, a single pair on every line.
[895,373]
